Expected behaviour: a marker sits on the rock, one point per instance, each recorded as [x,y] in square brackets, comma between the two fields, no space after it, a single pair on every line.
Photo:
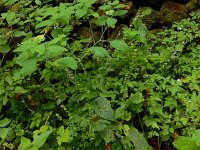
[117,32]
[151,18]
[192,4]
[88,33]
[172,12]
[3,8]
[148,16]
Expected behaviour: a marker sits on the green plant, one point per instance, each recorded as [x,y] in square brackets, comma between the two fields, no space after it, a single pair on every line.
[59,89]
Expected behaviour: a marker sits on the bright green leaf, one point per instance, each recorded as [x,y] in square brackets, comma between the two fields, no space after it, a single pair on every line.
[19,33]
[4,132]
[39,140]
[4,122]
[99,51]
[185,143]
[66,62]
[101,21]
[63,135]
[103,108]
[25,144]
[54,51]
[119,45]
[111,22]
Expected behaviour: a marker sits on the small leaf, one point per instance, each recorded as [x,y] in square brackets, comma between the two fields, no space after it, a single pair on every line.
[119,45]
[81,12]
[4,49]
[99,51]
[19,33]
[101,21]
[120,13]
[138,139]
[4,122]
[39,140]
[45,23]
[4,132]
[111,22]
[63,135]
[66,62]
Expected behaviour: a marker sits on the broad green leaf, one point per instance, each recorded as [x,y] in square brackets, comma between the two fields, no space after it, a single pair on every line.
[45,23]
[120,12]
[4,122]
[146,12]
[81,12]
[66,62]
[111,22]
[101,21]
[105,7]
[4,49]
[25,144]
[102,108]
[99,51]
[107,135]
[63,135]
[28,66]
[39,140]
[137,98]
[19,89]
[119,45]
[138,140]
[47,74]
[19,33]
[54,51]
[196,136]
[4,132]
[185,143]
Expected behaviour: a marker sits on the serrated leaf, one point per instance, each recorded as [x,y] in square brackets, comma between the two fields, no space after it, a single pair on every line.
[138,139]
[54,51]
[102,108]
[4,49]
[39,140]
[196,136]
[4,132]
[99,51]
[28,67]
[119,45]
[120,13]
[185,143]
[101,21]
[146,12]
[24,144]
[107,135]
[111,22]
[81,12]
[63,135]
[4,122]
[19,89]
[66,62]
[45,23]
[19,33]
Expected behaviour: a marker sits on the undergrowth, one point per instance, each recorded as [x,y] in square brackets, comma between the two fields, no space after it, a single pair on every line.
[62,91]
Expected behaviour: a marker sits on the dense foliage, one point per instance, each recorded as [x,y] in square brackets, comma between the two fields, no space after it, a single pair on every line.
[61,90]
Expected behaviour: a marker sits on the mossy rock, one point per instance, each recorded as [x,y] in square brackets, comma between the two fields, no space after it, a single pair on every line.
[172,12]
[192,4]
[88,33]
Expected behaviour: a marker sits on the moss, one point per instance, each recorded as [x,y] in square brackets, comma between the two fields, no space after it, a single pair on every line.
[172,12]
